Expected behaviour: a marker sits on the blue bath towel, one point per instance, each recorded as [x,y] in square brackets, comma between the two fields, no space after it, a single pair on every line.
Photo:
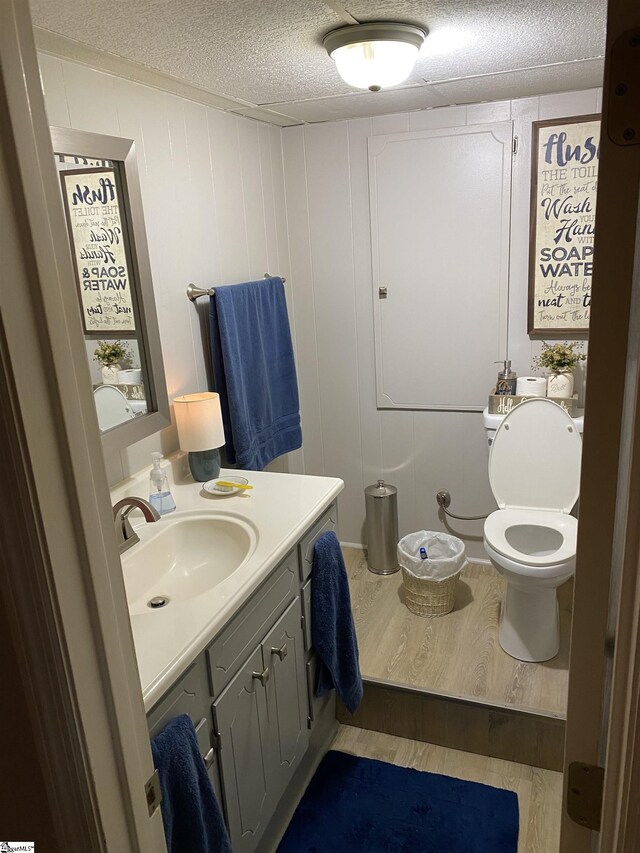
[193,822]
[254,372]
[332,629]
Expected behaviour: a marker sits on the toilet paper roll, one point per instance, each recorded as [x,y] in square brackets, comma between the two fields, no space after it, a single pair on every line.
[531,386]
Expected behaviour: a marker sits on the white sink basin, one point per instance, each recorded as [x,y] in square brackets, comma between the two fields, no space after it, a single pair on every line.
[183,556]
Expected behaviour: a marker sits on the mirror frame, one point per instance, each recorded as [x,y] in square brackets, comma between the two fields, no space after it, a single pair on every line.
[102,147]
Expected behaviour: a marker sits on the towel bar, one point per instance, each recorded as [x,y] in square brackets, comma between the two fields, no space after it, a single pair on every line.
[194,292]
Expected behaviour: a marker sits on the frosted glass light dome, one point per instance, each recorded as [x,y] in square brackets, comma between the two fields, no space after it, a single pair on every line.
[375,56]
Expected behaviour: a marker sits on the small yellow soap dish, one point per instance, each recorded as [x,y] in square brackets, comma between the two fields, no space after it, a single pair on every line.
[227,486]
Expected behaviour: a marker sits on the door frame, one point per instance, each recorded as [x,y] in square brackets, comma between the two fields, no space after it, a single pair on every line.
[606,614]
[62,585]
[620,828]
[66,518]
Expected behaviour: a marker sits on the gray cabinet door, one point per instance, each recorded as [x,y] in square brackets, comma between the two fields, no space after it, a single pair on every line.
[240,715]
[288,733]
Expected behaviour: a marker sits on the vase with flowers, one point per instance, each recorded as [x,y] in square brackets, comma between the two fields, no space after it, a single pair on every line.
[112,355]
[560,360]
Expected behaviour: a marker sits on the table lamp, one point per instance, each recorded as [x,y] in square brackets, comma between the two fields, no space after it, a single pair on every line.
[200,431]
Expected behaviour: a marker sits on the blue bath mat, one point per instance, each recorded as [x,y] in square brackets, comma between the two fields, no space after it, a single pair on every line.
[357,805]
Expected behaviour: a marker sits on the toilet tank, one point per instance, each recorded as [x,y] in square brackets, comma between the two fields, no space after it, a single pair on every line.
[492,422]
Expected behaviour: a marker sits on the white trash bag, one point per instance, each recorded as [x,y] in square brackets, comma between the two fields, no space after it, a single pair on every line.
[445,555]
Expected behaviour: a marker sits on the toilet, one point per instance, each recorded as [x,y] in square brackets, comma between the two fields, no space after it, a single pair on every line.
[112,407]
[534,471]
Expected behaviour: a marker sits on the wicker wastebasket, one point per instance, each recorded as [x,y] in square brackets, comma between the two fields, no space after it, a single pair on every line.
[430,583]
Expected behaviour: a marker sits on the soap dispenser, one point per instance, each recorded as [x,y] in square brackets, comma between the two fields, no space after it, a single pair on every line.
[160,495]
[507,379]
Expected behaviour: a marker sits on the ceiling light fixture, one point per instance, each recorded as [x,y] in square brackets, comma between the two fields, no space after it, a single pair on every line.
[375,56]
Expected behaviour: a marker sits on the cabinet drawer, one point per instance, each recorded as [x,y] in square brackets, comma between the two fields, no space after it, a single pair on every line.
[306,612]
[230,649]
[189,695]
[327,521]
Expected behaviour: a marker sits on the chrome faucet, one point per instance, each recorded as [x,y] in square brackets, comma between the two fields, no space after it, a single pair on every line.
[125,534]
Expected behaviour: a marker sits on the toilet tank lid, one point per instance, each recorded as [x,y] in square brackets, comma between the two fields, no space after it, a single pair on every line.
[534,461]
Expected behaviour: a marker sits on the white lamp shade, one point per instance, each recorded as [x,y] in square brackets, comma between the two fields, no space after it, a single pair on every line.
[199,421]
[375,64]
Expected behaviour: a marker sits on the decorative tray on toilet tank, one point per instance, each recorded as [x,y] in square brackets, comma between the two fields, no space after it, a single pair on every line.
[502,404]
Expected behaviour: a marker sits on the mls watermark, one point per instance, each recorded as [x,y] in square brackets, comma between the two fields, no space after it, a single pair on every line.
[17,846]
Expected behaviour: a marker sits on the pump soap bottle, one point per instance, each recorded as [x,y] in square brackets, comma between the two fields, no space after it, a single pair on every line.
[160,495]
[507,379]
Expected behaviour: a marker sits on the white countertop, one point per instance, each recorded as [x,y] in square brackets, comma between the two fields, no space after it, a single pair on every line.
[280,507]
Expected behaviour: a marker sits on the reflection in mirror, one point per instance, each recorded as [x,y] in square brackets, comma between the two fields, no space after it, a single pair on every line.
[99,232]
[102,203]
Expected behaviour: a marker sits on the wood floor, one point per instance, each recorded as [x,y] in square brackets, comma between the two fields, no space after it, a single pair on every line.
[457,654]
[539,791]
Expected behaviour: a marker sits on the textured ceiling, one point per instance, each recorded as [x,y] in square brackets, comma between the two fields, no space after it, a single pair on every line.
[269,52]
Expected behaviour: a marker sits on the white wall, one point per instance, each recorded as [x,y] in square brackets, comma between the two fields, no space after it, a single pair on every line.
[345,435]
[214,196]
[213,193]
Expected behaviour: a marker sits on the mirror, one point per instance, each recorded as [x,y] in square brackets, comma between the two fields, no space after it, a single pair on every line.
[103,210]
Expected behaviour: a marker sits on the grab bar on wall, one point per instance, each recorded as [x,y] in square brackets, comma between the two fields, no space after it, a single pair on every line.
[194,292]
[443,499]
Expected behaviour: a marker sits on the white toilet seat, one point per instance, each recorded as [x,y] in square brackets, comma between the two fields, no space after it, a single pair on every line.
[112,407]
[534,471]
[501,534]
[534,461]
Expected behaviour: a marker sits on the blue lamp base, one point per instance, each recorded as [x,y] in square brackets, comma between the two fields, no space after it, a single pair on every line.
[204,464]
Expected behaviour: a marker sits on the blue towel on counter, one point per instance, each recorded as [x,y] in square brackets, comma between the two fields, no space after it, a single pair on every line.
[193,822]
[254,372]
[332,629]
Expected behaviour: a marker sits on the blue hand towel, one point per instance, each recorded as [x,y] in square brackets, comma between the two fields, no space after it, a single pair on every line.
[192,818]
[332,629]
[254,372]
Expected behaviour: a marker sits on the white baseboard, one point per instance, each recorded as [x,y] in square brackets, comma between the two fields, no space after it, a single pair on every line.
[358,545]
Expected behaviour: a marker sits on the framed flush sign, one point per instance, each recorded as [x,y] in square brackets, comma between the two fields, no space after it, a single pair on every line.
[564,182]
[98,232]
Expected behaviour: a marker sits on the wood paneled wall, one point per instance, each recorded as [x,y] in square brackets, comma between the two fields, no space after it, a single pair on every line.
[220,207]
[213,191]
[327,195]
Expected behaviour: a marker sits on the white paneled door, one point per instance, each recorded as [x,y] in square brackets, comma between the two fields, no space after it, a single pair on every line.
[440,211]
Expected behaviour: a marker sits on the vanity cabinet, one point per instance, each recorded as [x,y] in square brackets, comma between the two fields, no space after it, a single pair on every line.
[250,694]
[261,721]
[286,689]
[242,723]
[327,521]
[190,695]
[233,645]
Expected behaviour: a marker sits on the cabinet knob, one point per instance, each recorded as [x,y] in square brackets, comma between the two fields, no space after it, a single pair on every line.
[262,677]
[281,652]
